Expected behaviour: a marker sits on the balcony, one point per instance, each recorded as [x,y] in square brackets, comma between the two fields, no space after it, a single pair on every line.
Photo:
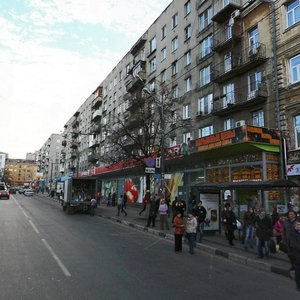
[252,57]
[138,77]
[73,154]
[226,38]
[97,102]
[73,145]
[75,123]
[226,69]
[224,8]
[94,143]
[93,157]
[240,99]
[97,115]
[95,128]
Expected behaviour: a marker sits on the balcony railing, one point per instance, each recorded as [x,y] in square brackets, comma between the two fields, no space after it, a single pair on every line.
[240,98]
[137,77]
[97,115]
[223,39]
[224,8]
[97,102]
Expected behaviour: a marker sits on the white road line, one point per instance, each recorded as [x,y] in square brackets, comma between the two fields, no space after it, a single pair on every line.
[34,227]
[21,208]
[59,262]
[151,245]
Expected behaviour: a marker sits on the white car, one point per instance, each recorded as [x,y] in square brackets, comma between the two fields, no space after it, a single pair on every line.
[28,192]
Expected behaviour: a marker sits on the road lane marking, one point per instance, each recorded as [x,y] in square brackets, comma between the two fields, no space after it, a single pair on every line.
[34,227]
[59,262]
[21,208]
[153,244]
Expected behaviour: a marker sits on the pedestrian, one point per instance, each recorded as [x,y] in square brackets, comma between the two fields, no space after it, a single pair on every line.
[174,208]
[191,231]
[153,208]
[224,218]
[109,199]
[144,205]
[121,206]
[179,229]
[288,226]
[200,213]
[163,214]
[249,223]
[278,229]
[191,202]
[294,250]
[114,199]
[93,206]
[168,201]
[180,207]
[275,215]
[231,226]
[124,201]
[264,232]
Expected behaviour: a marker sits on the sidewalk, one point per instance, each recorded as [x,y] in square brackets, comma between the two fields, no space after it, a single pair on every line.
[215,244]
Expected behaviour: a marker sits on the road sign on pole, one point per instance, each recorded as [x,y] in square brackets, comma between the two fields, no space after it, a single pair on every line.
[150,170]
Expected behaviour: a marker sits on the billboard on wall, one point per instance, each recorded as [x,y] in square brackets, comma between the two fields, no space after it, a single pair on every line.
[211,203]
[173,184]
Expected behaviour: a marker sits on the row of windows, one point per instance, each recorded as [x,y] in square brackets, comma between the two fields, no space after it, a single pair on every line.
[257,119]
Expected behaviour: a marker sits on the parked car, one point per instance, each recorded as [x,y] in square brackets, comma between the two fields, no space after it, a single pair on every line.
[4,193]
[12,190]
[28,192]
[21,190]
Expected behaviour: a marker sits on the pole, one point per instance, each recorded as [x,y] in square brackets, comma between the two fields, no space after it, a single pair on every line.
[162,142]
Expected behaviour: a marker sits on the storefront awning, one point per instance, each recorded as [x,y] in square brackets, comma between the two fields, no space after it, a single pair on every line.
[258,185]
[267,148]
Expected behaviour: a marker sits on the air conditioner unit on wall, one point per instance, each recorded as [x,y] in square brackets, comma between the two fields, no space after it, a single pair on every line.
[240,123]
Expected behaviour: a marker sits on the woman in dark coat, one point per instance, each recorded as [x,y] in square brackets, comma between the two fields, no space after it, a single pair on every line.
[230,221]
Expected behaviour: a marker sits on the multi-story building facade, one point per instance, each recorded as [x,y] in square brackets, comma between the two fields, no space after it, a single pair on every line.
[20,172]
[2,165]
[287,20]
[216,61]
[48,160]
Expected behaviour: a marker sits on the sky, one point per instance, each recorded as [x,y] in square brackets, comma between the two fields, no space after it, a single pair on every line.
[54,54]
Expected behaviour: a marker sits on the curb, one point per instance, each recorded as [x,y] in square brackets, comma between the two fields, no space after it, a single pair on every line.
[237,258]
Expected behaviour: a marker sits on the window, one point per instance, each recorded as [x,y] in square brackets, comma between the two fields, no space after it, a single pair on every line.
[205,104]
[188,58]
[227,62]
[174,44]
[163,54]
[228,31]
[187,8]
[174,117]
[120,76]
[152,45]
[258,118]
[152,64]
[253,40]
[229,124]
[295,69]
[205,19]
[205,131]
[151,86]
[175,20]
[163,76]
[188,84]
[173,141]
[187,32]
[186,137]
[205,46]
[186,111]
[174,68]
[293,13]
[127,69]
[205,76]
[254,80]
[163,32]
[297,131]
[228,91]
[175,92]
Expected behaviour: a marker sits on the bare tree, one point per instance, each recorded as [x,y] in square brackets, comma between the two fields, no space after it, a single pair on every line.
[143,130]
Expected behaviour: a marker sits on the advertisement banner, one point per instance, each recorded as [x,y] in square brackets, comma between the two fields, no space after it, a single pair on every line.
[211,203]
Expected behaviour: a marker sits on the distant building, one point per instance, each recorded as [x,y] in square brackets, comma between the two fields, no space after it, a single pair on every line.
[20,171]
[2,164]
[31,156]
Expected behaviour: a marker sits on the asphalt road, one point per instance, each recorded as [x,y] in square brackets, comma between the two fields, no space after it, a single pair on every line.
[47,254]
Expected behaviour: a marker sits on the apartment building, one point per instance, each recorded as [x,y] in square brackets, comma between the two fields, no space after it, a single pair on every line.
[216,60]
[20,172]
[287,20]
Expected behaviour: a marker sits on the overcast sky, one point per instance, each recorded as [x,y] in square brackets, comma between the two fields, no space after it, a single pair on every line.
[53,54]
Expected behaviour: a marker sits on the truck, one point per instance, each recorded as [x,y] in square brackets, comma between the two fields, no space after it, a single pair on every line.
[77,194]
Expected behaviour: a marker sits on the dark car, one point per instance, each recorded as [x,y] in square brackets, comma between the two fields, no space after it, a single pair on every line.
[12,190]
[4,193]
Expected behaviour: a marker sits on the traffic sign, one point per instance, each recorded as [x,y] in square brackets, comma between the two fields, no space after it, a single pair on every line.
[150,161]
[150,170]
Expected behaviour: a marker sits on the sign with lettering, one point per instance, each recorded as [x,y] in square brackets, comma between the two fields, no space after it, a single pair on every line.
[293,170]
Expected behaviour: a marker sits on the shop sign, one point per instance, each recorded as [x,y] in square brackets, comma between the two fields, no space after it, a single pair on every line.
[293,170]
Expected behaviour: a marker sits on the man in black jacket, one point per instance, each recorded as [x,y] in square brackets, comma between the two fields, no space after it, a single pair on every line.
[200,213]
[264,232]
